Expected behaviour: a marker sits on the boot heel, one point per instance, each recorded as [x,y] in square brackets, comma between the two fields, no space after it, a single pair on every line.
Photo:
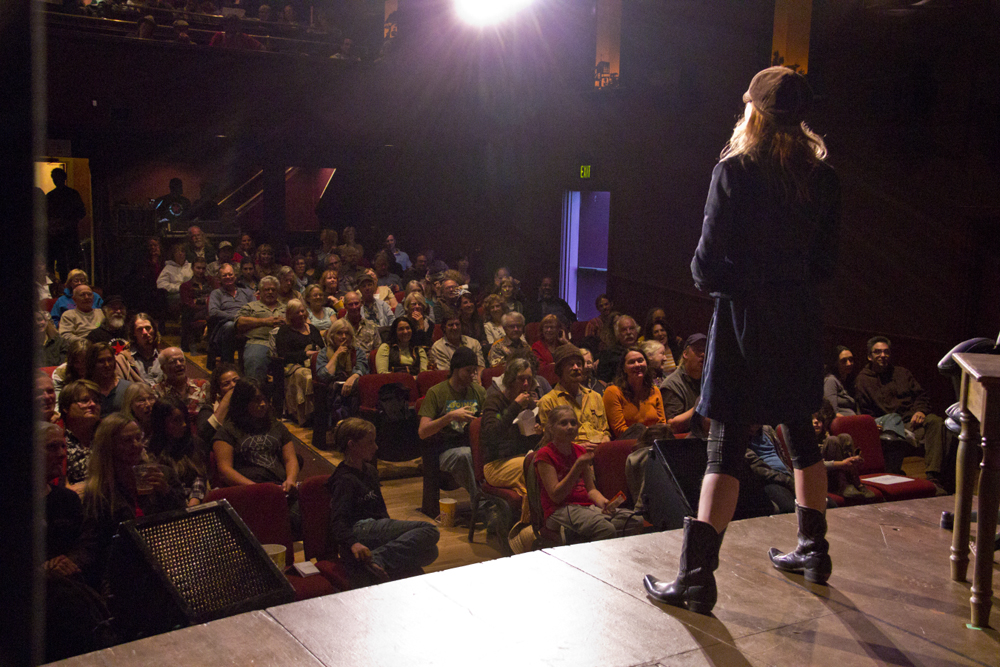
[814,577]
[700,599]
[698,607]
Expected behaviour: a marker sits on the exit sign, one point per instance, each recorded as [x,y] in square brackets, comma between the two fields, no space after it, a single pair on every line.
[585,171]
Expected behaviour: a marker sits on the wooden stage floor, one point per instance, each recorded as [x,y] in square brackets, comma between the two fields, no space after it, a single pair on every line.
[890,602]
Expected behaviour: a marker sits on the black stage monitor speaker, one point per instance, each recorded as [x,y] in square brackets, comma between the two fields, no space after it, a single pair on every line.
[187,567]
[673,474]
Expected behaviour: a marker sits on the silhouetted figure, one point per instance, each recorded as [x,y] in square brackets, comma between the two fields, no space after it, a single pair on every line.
[65,211]
[172,207]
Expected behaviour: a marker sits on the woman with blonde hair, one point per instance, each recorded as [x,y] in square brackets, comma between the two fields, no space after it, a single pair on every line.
[138,405]
[287,283]
[112,494]
[296,343]
[339,366]
[552,336]
[494,308]
[415,307]
[769,236]
[330,282]
[320,314]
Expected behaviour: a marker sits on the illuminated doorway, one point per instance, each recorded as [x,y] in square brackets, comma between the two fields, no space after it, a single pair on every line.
[583,270]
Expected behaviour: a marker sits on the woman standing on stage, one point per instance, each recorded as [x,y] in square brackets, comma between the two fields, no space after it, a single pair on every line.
[768,237]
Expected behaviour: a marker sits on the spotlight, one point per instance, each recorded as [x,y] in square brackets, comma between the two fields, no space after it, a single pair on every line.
[485,12]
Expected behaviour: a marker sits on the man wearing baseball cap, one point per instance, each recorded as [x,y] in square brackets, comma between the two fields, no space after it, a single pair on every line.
[587,404]
[682,388]
[447,409]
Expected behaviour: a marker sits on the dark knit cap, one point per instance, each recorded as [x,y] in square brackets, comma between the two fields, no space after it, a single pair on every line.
[463,357]
[780,94]
[564,352]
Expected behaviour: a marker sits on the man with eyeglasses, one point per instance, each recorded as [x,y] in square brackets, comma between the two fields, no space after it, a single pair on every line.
[882,389]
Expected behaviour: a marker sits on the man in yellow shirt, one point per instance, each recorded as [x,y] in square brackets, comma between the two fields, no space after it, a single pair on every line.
[586,403]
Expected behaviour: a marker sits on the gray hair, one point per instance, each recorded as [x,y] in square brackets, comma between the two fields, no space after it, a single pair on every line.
[515,366]
[414,297]
[512,317]
[269,280]
[620,322]
[648,347]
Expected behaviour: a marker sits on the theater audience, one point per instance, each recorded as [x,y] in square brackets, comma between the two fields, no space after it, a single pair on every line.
[176,271]
[340,365]
[768,470]
[444,348]
[349,242]
[213,412]
[172,444]
[80,409]
[300,268]
[264,262]
[658,331]
[549,303]
[332,294]
[75,367]
[144,348]
[838,384]
[553,336]
[418,271]
[194,303]
[657,356]
[232,36]
[373,310]
[296,343]
[45,398]
[447,409]
[74,279]
[198,247]
[400,257]
[587,405]
[626,335]
[54,346]
[601,322]
[682,389]
[398,354]
[252,446]
[366,333]
[360,528]
[320,315]
[287,284]
[493,309]
[382,264]
[513,328]
[503,442]
[111,494]
[101,370]
[508,292]
[246,249]
[841,458]
[224,306]
[415,307]
[112,329]
[177,383]
[328,244]
[472,321]
[886,391]
[138,406]
[448,294]
[75,324]
[590,380]
[248,274]
[224,256]
[632,402]
[256,320]
[565,470]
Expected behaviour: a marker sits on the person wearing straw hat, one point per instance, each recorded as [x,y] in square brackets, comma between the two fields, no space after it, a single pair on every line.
[769,236]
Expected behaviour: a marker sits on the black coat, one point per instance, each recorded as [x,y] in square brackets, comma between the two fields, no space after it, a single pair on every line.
[761,256]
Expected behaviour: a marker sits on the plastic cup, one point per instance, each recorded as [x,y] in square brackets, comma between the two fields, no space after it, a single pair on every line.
[277,554]
[448,506]
[142,471]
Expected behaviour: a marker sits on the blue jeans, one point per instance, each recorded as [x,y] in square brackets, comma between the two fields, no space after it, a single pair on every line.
[224,341]
[457,461]
[255,362]
[398,546]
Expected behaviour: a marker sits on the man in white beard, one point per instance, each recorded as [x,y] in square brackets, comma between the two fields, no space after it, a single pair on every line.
[113,332]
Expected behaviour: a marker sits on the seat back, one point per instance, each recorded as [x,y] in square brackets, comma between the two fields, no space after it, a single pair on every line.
[264,509]
[532,332]
[438,333]
[428,379]
[864,431]
[577,332]
[487,375]
[609,468]
[314,503]
[371,360]
[369,385]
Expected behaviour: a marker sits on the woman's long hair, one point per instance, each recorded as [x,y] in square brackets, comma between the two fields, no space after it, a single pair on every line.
[101,486]
[215,382]
[621,378]
[395,354]
[786,153]
[183,455]
[245,391]
[343,324]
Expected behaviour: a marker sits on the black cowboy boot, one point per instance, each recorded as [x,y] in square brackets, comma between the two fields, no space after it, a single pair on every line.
[694,587]
[811,557]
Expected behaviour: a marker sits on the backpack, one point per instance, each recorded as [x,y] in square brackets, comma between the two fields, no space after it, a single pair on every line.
[396,424]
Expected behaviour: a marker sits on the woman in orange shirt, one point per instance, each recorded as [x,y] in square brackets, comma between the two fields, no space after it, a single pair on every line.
[633,399]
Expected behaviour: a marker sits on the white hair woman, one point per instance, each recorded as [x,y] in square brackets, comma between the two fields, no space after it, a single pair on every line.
[296,343]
